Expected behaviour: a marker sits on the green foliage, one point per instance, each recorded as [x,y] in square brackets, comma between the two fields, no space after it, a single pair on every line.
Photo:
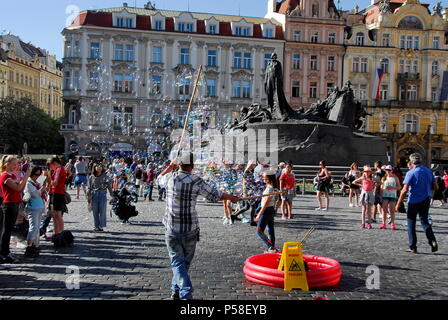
[21,121]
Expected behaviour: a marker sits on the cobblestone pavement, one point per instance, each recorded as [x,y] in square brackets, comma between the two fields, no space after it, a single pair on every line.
[131,261]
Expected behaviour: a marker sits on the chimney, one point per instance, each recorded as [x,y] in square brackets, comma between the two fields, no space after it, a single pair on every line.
[125,4]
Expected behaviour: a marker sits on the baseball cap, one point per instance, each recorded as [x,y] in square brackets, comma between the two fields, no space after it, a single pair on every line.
[367,169]
[389,168]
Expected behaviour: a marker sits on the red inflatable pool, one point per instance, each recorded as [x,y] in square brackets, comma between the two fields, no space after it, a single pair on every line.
[262,269]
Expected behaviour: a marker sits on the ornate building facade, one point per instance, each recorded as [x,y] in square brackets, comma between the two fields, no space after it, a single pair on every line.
[126,68]
[314,48]
[4,71]
[397,62]
[33,73]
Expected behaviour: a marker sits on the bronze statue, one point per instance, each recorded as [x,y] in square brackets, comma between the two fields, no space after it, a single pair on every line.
[273,85]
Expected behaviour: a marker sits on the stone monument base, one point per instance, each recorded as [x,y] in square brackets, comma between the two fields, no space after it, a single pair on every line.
[306,143]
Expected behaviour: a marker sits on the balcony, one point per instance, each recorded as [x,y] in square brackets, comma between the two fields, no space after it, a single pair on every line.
[408,76]
[418,104]
[69,127]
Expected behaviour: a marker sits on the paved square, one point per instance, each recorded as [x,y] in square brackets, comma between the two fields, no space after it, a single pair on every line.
[131,261]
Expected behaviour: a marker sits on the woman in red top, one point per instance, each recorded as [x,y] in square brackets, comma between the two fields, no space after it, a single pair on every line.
[56,205]
[445,180]
[288,185]
[11,189]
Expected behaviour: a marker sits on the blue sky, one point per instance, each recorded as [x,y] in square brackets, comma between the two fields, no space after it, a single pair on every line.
[41,22]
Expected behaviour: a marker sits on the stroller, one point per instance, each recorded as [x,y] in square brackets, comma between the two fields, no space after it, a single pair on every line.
[122,205]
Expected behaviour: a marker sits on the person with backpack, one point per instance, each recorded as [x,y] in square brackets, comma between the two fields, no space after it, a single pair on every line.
[438,194]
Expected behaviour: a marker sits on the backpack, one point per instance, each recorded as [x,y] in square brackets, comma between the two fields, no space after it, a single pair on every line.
[67,198]
[63,240]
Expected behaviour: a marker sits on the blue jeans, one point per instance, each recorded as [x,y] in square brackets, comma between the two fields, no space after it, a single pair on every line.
[34,218]
[422,209]
[181,248]
[267,220]
[99,206]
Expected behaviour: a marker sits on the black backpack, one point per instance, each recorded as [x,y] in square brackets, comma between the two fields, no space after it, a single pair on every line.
[63,240]
[138,173]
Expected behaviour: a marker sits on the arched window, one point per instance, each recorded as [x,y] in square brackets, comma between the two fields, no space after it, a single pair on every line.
[410,22]
[410,123]
[360,39]
[385,65]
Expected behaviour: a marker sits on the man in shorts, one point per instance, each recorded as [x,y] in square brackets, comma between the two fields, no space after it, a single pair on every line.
[81,176]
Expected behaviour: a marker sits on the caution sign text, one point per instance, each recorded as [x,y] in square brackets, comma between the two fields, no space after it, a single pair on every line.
[292,263]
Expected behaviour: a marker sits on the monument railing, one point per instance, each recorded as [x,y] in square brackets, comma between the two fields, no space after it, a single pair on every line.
[417,104]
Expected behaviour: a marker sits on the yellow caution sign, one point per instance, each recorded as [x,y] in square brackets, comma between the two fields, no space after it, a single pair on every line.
[294,267]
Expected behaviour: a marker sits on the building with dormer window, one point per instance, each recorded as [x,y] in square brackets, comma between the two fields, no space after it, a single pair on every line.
[125,67]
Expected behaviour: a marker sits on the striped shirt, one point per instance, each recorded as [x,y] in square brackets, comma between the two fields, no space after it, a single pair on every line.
[182,191]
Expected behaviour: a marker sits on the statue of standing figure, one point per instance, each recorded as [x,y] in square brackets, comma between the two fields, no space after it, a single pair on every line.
[273,85]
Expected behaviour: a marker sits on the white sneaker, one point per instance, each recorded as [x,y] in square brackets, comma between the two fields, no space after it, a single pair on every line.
[226,221]
[351,205]
[230,221]
[324,209]
[318,209]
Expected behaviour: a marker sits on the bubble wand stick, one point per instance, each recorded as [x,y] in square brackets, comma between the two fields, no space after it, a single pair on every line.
[189,109]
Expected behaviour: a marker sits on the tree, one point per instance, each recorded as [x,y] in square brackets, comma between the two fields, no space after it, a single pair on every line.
[21,121]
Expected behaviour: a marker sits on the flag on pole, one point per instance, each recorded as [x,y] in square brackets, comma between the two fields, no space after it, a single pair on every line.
[376,84]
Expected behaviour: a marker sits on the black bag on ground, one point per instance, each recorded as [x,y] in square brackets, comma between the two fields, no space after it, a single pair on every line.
[63,240]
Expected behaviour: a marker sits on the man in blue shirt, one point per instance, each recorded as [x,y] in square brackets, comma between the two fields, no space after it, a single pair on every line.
[420,183]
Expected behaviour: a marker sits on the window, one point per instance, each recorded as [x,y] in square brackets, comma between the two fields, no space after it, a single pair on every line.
[435,68]
[118,82]
[331,63]
[313,63]
[269,33]
[120,22]
[157,54]
[355,64]
[236,89]
[435,42]
[242,31]
[184,88]
[412,93]
[212,29]
[296,35]
[364,65]
[386,40]
[76,81]
[403,42]
[247,61]
[385,65]
[360,39]
[415,66]
[128,84]
[129,53]
[158,25]
[296,60]
[383,92]
[313,89]
[211,87]
[410,122]
[409,42]
[363,92]
[416,42]
[129,23]
[237,58]
[156,85]
[315,10]
[128,116]
[211,58]
[184,56]
[332,38]
[94,80]
[185,27]
[246,89]
[434,94]
[330,86]
[267,59]
[315,37]
[295,89]
[67,80]
[119,52]
[94,50]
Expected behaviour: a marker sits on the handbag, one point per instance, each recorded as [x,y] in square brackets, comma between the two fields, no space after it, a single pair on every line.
[68,198]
